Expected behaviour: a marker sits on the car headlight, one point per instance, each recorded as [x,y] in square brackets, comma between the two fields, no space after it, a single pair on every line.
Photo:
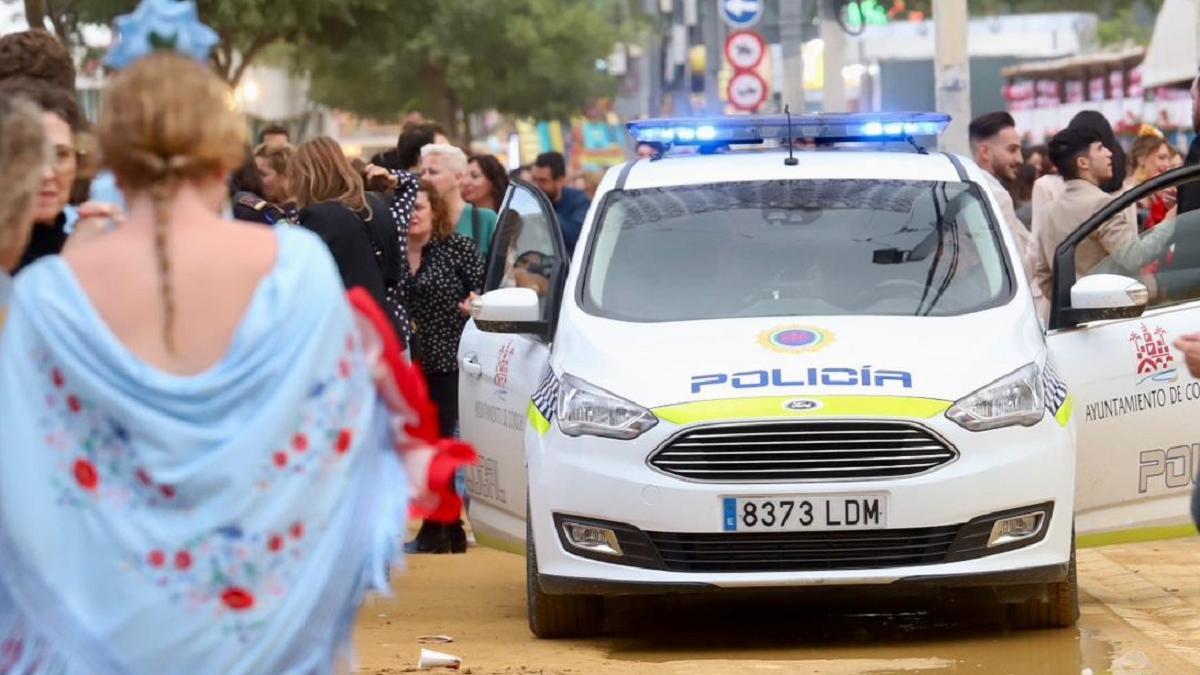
[1013,399]
[584,408]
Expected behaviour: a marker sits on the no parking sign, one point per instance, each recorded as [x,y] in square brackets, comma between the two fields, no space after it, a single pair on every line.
[744,49]
[746,91]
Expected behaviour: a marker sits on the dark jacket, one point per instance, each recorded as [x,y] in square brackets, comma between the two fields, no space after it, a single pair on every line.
[346,235]
[571,208]
[1189,193]
[250,207]
[44,240]
[1182,279]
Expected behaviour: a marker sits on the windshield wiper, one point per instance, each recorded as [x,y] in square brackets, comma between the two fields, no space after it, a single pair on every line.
[937,255]
[953,223]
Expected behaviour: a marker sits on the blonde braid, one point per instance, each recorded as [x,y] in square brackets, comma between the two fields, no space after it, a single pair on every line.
[167,122]
[160,192]
[165,173]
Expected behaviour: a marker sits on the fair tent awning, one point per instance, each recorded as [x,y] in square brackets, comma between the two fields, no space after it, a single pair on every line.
[1174,52]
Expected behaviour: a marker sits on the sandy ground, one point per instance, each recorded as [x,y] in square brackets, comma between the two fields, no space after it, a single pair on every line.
[1140,607]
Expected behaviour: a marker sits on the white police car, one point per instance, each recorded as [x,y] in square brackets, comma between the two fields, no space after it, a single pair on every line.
[758,372]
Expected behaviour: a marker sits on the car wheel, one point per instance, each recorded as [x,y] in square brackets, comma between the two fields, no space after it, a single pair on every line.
[558,616]
[1060,609]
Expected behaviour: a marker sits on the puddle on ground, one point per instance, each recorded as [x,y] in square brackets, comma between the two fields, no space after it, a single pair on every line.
[793,634]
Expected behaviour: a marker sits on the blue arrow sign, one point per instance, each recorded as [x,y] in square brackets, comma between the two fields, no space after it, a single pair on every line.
[741,13]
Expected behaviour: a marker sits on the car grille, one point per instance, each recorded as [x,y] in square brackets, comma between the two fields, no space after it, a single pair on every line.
[803,551]
[803,450]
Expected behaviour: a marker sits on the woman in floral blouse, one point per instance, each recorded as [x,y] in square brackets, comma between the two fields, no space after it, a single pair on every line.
[442,269]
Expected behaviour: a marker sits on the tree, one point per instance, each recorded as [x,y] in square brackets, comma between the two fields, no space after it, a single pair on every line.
[1105,8]
[61,15]
[246,27]
[1120,20]
[452,58]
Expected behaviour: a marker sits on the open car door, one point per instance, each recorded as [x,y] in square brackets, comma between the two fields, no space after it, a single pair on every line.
[501,367]
[1137,407]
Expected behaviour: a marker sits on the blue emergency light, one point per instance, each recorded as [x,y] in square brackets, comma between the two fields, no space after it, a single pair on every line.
[751,129]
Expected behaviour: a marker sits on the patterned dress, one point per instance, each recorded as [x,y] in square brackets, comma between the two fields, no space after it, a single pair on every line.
[450,270]
[247,507]
[403,200]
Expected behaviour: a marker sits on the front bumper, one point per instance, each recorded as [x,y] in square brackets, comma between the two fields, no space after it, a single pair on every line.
[557,585]
[997,472]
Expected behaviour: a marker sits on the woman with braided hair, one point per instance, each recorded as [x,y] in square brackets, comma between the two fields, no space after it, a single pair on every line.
[200,428]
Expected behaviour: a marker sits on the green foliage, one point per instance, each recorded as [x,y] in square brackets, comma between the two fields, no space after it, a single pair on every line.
[523,57]
[1124,28]
[1107,9]
[1118,18]
[247,27]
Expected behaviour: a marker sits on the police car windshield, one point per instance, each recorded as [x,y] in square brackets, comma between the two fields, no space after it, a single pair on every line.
[798,247]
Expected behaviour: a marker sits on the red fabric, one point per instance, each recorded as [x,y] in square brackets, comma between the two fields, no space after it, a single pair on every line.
[1157,213]
[449,453]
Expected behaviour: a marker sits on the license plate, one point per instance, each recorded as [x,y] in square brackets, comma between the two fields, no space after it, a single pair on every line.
[803,513]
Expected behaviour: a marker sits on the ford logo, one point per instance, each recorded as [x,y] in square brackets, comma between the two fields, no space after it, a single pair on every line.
[800,404]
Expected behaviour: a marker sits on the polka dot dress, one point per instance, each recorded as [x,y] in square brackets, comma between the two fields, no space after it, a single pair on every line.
[450,270]
[404,199]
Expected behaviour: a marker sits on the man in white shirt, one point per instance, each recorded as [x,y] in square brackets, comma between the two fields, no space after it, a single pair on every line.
[996,147]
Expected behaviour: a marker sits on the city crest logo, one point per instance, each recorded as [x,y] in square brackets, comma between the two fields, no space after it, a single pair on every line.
[795,339]
[1154,360]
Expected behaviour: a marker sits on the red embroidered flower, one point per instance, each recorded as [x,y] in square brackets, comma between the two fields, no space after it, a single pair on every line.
[74,404]
[167,491]
[143,477]
[86,474]
[156,558]
[56,376]
[11,652]
[275,543]
[297,530]
[300,442]
[238,599]
[183,560]
[344,368]
[280,459]
[344,439]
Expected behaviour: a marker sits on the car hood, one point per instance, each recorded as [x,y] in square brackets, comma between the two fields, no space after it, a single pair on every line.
[669,363]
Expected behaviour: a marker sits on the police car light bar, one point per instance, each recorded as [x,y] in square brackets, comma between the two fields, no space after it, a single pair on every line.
[750,129]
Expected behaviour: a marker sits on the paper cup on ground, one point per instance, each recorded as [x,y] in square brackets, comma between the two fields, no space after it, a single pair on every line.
[431,659]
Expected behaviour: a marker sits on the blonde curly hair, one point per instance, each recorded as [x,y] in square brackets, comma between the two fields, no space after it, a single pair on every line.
[23,154]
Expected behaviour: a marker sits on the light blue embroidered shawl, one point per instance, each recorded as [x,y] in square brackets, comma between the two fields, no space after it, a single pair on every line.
[227,522]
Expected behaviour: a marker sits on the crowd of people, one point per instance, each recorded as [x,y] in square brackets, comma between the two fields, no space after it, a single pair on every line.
[198,408]
[1045,192]
[203,372]
[412,227]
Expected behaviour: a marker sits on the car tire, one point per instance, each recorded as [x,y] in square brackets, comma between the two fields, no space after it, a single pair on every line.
[1060,609]
[558,616]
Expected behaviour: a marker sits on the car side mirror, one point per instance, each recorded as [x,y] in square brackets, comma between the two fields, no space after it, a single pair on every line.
[1101,297]
[510,310]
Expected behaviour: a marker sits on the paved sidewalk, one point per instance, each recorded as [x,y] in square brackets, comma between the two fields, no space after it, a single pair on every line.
[1140,615]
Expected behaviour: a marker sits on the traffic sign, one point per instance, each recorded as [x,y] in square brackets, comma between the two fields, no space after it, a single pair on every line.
[744,49]
[742,13]
[746,91]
